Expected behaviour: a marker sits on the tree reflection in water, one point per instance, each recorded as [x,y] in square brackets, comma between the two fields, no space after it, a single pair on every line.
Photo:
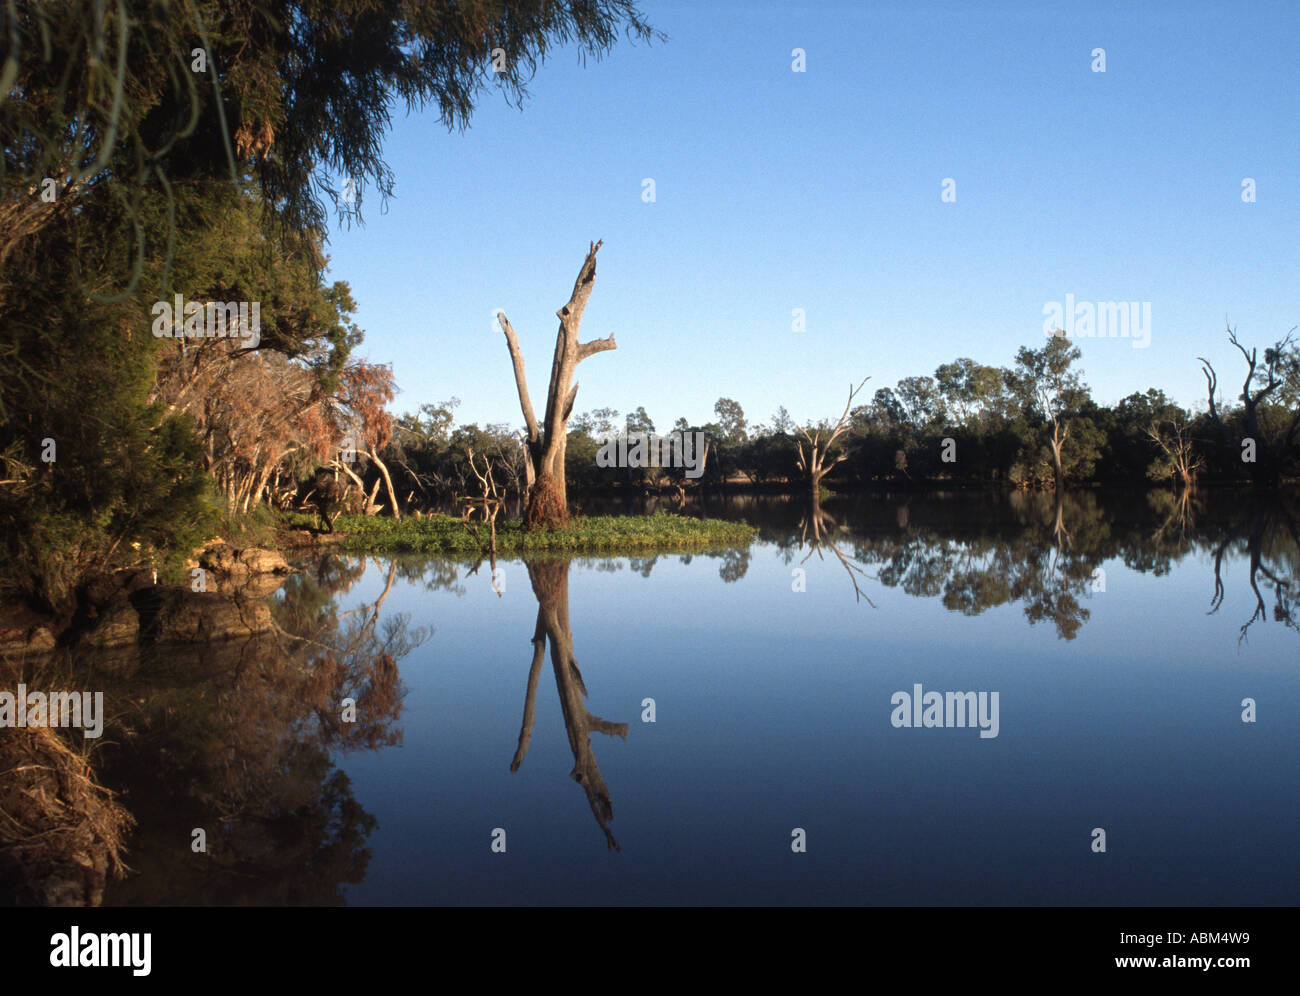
[235,738]
[550,581]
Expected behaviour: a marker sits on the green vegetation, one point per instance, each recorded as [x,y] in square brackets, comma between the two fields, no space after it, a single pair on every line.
[156,153]
[152,150]
[1031,425]
[660,533]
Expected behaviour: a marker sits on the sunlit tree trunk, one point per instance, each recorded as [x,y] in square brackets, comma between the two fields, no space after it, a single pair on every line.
[548,497]
[388,483]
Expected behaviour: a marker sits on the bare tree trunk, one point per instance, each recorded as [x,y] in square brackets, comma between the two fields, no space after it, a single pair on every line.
[1057,472]
[388,483]
[548,497]
[338,465]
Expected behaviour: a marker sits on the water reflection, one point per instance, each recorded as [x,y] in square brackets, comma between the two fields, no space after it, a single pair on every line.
[248,740]
[1266,534]
[1041,551]
[817,529]
[550,581]
[238,739]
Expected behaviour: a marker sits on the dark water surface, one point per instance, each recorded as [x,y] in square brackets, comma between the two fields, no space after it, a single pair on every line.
[1121,637]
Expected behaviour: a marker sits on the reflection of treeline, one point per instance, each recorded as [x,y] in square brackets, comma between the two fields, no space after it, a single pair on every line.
[238,740]
[1046,552]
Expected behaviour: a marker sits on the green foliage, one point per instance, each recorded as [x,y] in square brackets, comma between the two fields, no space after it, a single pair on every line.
[771,456]
[240,155]
[295,93]
[731,421]
[447,534]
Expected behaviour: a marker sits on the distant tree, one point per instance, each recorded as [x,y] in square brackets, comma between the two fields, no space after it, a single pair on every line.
[639,421]
[821,441]
[1052,394]
[886,408]
[922,402]
[1180,459]
[1130,448]
[731,420]
[968,389]
[606,420]
[1270,412]
[782,422]
[434,421]
[771,456]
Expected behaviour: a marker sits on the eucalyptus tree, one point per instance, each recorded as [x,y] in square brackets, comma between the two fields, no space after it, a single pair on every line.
[1051,394]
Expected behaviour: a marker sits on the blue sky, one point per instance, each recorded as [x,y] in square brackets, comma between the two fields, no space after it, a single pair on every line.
[821,190]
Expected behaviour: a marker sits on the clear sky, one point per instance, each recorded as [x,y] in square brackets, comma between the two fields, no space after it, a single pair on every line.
[821,190]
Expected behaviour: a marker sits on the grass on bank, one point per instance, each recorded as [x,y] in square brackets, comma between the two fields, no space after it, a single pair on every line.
[661,533]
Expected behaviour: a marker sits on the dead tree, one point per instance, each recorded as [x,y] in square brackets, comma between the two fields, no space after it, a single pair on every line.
[489,504]
[1277,372]
[1179,448]
[814,465]
[547,497]
[373,453]
[368,503]
[487,485]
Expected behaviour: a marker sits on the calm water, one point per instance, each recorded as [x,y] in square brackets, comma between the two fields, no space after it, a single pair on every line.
[1121,637]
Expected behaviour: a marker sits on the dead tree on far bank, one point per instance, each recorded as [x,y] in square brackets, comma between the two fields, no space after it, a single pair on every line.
[489,504]
[814,465]
[1279,373]
[1183,462]
[547,497]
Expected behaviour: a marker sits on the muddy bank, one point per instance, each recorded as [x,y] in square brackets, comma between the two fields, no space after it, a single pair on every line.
[225,599]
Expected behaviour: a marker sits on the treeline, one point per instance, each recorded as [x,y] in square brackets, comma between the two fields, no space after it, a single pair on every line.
[160,196]
[1030,425]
